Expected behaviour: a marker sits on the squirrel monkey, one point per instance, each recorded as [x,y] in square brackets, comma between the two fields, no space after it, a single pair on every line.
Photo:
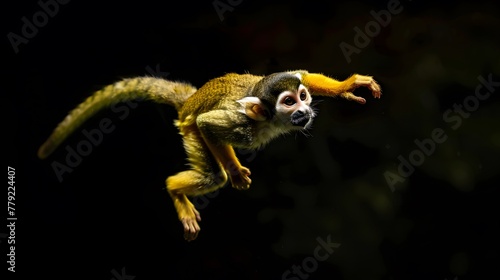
[235,110]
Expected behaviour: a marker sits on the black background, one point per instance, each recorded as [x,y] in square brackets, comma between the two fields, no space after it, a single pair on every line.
[112,211]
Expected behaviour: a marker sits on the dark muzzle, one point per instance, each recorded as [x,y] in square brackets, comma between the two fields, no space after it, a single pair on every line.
[300,118]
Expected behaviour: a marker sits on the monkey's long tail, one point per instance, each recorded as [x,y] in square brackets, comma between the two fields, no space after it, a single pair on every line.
[149,88]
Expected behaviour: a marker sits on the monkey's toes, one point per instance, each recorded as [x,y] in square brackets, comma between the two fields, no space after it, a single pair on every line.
[190,220]
[191,228]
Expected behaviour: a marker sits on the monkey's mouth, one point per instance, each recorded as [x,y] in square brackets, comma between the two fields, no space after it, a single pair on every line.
[301,119]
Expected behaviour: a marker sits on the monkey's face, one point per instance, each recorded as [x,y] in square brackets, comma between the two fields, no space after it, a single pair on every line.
[294,107]
[277,104]
[280,100]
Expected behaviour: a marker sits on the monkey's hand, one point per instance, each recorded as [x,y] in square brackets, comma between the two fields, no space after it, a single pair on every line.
[356,81]
[239,177]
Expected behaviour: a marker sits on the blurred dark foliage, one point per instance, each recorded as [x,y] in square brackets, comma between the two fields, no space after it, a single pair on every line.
[112,211]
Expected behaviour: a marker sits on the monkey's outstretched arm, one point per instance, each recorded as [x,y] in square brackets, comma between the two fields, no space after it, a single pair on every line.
[319,84]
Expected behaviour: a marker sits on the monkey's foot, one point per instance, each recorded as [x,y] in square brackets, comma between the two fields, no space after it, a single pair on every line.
[240,180]
[189,219]
[365,81]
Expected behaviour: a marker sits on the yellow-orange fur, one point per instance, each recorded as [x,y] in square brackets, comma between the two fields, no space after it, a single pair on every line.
[210,153]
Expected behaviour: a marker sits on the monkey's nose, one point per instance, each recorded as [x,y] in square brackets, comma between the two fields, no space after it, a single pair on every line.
[300,118]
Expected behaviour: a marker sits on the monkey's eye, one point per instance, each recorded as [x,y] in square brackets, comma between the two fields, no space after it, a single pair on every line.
[303,96]
[289,101]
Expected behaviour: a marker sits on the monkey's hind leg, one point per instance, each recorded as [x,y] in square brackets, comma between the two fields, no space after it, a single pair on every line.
[204,176]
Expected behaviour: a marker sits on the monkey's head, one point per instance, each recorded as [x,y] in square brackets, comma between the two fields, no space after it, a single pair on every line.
[282,99]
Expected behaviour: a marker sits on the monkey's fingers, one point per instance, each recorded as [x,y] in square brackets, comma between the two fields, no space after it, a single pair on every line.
[246,183]
[241,181]
[352,97]
[197,214]
[370,83]
[243,184]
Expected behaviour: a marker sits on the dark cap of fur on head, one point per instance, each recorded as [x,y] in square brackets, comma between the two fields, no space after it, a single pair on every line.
[276,83]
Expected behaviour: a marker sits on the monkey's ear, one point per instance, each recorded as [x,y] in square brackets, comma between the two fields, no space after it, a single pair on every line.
[254,108]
